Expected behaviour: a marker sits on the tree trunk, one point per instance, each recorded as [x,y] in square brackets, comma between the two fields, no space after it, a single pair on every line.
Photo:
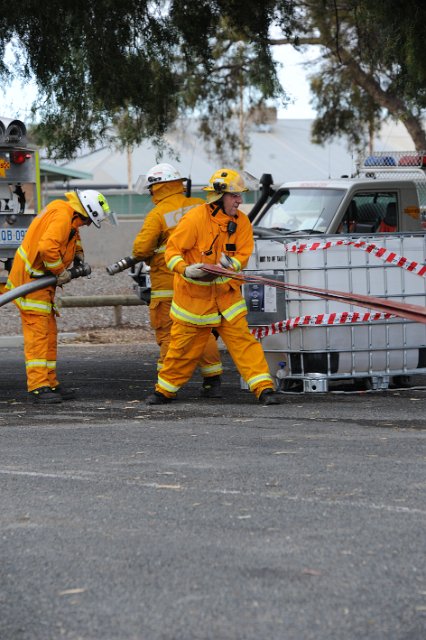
[129,167]
[389,101]
[241,114]
[394,105]
[416,131]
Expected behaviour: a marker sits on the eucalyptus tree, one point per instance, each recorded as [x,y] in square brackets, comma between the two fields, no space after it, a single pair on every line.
[130,68]
[371,65]
[125,71]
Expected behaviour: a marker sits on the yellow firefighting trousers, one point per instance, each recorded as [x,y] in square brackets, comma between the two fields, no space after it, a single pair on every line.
[40,348]
[187,344]
[209,362]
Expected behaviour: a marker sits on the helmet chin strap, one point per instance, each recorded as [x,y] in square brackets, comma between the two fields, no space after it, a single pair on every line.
[218,205]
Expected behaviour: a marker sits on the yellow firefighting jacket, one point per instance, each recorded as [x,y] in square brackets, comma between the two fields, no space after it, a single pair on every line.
[150,243]
[49,246]
[202,235]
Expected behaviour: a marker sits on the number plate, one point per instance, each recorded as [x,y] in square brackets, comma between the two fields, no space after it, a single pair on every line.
[11,237]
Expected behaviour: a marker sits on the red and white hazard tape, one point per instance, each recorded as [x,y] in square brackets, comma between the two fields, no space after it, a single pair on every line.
[322,319]
[380,252]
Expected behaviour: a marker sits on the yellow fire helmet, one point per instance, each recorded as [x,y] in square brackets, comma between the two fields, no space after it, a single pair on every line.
[227,181]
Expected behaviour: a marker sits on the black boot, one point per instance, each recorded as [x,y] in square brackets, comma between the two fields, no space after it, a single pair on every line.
[268,396]
[44,395]
[211,387]
[157,398]
[64,393]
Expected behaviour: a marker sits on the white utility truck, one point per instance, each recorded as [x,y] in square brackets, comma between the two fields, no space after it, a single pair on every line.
[364,234]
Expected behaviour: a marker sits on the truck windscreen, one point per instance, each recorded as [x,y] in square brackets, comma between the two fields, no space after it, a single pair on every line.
[301,209]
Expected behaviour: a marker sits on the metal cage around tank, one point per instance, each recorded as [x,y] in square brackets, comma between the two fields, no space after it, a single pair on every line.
[316,340]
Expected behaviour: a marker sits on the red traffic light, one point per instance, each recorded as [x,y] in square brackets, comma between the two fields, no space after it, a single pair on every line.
[19,157]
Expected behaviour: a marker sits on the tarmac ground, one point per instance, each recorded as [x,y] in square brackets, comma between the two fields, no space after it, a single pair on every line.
[208,519]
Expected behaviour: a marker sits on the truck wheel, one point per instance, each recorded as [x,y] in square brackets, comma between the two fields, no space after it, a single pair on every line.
[362,384]
[402,381]
[291,385]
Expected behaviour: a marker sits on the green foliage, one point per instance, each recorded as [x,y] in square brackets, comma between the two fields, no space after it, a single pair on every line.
[373,67]
[239,77]
[130,68]
[91,60]
[136,64]
[342,108]
[399,41]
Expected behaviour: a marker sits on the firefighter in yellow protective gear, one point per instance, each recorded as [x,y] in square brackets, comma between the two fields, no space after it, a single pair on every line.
[165,185]
[51,243]
[216,232]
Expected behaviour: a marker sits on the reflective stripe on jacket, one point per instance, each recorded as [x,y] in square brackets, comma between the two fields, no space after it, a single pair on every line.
[202,236]
[48,247]
[150,243]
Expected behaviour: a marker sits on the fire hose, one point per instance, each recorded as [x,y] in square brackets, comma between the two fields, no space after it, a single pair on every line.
[41,283]
[401,309]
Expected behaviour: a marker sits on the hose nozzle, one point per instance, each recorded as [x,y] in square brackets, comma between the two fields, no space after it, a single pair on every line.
[81,270]
[121,265]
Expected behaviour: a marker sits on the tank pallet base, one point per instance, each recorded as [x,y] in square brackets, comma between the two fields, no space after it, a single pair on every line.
[320,384]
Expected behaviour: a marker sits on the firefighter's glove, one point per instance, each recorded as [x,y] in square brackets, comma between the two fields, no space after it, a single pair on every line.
[78,259]
[194,272]
[226,262]
[63,278]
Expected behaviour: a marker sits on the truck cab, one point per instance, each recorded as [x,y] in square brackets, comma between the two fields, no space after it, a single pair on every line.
[320,234]
[345,205]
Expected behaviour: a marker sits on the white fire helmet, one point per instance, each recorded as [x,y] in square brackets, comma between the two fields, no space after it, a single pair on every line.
[161,173]
[96,207]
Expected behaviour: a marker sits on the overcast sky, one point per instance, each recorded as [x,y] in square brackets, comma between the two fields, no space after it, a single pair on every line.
[293,76]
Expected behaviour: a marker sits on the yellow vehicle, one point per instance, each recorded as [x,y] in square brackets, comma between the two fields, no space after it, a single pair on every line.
[20,193]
